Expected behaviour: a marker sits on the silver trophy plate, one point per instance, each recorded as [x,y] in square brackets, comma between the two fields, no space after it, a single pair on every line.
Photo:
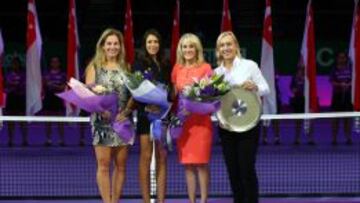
[240,110]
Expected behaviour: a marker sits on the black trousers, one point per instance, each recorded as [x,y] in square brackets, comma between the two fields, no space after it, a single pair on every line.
[239,150]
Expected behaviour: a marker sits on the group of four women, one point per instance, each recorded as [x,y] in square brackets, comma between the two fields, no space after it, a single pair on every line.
[194,144]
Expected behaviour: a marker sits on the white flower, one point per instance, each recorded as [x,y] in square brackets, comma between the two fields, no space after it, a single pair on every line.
[187,90]
[202,83]
[98,89]
[197,91]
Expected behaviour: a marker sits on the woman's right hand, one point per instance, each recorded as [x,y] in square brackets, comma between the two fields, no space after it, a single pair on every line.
[152,109]
[123,115]
[249,85]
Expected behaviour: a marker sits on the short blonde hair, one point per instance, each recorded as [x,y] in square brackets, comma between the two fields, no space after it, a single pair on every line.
[99,59]
[219,58]
[194,40]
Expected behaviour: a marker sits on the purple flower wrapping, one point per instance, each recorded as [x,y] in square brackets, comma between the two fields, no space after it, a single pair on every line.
[199,107]
[186,106]
[92,104]
[175,124]
[149,93]
[175,132]
[161,114]
[124,129]
[156,129]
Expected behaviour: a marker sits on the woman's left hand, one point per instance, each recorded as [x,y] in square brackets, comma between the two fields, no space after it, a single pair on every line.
[249,85]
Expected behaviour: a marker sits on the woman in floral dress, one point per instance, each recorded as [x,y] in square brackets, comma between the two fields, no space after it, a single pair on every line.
[105,70]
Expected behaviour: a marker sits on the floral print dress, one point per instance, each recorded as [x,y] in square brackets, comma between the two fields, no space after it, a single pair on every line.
[102,131]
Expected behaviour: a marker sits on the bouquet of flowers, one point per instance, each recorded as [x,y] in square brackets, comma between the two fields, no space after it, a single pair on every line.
[98,99]
[124,129]
[208,88]
[134,79]
[95,99]
[202,97]
[144,90]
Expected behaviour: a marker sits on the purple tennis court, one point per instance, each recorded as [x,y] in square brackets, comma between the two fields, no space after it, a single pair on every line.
[287,172]
[310,66]
[214,200]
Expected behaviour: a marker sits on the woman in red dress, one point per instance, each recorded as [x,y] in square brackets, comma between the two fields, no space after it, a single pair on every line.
[194,144]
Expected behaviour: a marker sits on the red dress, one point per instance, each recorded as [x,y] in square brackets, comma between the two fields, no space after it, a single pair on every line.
[194,144]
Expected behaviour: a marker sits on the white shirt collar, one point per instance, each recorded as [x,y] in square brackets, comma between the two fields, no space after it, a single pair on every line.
[235,63]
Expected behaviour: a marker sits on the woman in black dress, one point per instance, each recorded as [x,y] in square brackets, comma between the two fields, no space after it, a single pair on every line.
[152,64]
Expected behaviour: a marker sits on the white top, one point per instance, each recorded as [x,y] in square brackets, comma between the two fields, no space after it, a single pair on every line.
[243,70]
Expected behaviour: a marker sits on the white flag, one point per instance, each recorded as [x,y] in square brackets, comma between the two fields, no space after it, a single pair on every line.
[267,62]
[309,60]
[33,62]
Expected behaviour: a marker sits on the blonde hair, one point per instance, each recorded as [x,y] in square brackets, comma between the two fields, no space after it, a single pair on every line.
[99,60]
[219,58]
[194,40]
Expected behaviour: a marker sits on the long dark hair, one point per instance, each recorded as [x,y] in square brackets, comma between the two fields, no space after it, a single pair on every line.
[145,57]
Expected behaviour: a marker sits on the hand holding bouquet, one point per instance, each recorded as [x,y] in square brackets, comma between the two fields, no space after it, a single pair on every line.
[123,126]
[98,99]
[202,97]
[144,90]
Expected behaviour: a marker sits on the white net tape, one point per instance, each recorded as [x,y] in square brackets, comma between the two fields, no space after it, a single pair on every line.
[263,117]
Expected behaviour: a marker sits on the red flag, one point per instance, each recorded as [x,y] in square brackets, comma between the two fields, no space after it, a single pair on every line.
[128,34]
[72,53]
[308,57]
[354,55]
[175,33]
[2,99]
[33,57]
[267,62]
[226,17]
